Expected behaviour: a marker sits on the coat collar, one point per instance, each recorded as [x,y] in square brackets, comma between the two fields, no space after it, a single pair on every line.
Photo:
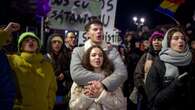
[34,59]
[88,44]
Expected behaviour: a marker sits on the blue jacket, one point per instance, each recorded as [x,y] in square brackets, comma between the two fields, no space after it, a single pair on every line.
[7,84]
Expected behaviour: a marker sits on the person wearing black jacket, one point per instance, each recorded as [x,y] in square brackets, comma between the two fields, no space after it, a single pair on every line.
[59,59]
[171,80]
[143,66]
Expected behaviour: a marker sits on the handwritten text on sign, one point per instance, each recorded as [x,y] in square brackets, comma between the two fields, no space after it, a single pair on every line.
[74,14]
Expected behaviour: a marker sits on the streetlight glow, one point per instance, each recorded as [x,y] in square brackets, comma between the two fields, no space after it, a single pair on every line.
[138,21]
[142,20]
[134,18]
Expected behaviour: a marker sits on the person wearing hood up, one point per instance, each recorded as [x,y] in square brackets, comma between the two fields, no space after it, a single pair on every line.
[171,80]
[36,84]
[59,59]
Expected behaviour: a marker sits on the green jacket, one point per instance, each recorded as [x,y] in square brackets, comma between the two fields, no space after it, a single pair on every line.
[35,79]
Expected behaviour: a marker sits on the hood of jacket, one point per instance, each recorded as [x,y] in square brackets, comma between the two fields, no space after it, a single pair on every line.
[49,46]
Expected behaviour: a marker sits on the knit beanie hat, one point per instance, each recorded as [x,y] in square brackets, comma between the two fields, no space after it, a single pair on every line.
[26,35]
[156,34]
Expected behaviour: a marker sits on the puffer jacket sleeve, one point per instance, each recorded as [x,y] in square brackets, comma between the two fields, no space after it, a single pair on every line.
[112,100]
[78,100]
[3,37]
[52,88]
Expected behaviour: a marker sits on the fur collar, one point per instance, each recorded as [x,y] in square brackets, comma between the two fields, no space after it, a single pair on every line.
[88,44]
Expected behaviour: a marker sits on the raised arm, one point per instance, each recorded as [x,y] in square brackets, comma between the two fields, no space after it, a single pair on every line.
[4,33]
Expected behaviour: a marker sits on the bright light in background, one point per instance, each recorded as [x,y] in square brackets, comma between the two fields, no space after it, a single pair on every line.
[138,21]
[75,33]
[65,32]
[134,18]
[142,20]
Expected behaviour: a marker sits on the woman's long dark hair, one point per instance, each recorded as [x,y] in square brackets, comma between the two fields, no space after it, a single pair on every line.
[107,65]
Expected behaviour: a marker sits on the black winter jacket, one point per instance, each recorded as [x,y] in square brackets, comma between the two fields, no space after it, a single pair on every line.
[170,94]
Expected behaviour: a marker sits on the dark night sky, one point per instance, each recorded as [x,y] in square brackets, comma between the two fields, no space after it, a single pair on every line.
[126,9]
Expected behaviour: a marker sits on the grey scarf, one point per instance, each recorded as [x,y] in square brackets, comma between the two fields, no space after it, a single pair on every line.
[173,59]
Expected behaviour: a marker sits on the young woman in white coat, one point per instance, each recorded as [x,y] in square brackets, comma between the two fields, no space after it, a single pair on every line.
[92,98]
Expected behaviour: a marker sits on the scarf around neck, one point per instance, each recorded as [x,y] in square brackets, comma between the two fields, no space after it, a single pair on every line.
[173,59]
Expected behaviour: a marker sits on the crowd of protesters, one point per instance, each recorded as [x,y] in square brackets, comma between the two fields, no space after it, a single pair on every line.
[151,70]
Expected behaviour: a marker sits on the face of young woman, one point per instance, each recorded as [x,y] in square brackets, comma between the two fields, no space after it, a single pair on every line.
[157,43]
[29,45]
[177,42]
[56,45]
[96,58]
